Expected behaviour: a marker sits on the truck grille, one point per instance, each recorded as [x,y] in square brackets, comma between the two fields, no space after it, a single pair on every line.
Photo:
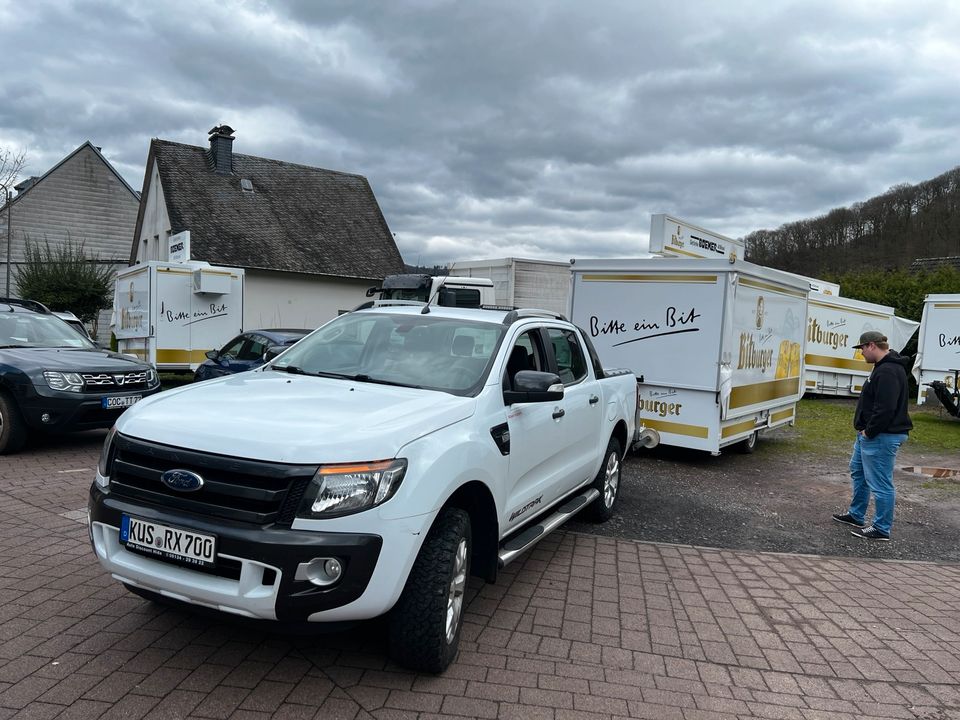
[249,491]
[96,382]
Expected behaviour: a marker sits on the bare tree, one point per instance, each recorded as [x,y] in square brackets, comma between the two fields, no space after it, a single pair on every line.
[11,163]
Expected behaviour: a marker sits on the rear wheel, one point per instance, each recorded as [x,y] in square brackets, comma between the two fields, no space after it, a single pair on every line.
[13,431]
[607,483]
[749,445]
[424,628]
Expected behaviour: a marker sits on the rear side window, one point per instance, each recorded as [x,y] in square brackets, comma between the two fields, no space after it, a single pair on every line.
[459,297]
[571,365]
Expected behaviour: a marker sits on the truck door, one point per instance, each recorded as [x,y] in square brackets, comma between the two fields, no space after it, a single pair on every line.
[536,465]
[583,422]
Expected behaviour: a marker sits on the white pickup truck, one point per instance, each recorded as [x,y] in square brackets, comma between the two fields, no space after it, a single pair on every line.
[371,468]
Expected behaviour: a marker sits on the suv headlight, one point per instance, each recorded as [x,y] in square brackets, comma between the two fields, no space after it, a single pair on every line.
[152,377]
[104,466]
[68,382]
[343,489]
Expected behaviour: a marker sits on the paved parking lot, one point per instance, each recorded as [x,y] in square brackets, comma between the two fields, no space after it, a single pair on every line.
[581,627]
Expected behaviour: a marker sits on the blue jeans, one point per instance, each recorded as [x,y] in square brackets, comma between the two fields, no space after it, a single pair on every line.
[871,469]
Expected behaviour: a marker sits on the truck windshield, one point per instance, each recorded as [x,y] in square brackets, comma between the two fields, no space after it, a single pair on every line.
[35,330]
[418,294]
[422,351]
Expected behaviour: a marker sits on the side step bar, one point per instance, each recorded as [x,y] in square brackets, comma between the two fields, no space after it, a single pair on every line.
[535,533]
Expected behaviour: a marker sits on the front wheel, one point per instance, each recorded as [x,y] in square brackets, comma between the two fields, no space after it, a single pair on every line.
[424,626]
[607,483]
[13,430]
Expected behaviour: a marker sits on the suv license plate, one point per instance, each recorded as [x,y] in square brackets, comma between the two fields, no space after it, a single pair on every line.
[122,401]
[173,543]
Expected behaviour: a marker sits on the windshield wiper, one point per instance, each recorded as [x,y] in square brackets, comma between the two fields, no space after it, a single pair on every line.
[292,369]
[4,347]
[379,381]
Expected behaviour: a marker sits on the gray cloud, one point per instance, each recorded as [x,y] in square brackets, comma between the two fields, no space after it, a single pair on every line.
[537,129]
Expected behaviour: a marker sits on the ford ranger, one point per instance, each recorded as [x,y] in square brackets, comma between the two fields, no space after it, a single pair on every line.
[371,468]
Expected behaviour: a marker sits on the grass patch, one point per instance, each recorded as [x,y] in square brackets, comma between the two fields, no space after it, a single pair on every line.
[825,427]
[170,380]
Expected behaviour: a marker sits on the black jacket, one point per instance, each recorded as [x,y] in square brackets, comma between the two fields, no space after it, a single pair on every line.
[882,407]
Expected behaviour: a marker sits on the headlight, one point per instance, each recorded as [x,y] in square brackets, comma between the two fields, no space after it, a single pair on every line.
[343,489]
[68,382]
[104,466]
[152,377]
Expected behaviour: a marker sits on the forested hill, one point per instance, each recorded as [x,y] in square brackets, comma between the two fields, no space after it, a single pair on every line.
[885,232]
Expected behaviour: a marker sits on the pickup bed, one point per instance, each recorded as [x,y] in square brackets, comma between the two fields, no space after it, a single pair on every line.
[369,469]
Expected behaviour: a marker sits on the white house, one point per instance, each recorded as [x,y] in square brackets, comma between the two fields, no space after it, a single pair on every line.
[311,241]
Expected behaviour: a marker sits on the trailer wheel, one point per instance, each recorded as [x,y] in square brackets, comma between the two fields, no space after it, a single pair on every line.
[13,430]
[424,625]
[750,444]
[607,483]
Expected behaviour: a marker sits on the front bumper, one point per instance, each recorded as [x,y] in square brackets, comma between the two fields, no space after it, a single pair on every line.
[69,411]
[256,565]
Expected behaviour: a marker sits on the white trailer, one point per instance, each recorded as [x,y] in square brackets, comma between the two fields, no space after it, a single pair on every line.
[717,346]
[517,282]
[170,314]
[938,347]
[834,324]
[673,237]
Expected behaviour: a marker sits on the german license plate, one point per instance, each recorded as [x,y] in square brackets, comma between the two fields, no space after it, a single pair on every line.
[172,543]
[119,401]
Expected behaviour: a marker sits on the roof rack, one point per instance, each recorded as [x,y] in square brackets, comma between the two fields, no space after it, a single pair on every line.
[393,303]
[515,315]
[28,304]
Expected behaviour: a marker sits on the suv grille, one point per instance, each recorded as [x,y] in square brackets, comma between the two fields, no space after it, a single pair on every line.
[98,381]
[250,491]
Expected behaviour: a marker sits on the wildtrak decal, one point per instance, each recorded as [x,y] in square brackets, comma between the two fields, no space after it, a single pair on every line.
[517,513]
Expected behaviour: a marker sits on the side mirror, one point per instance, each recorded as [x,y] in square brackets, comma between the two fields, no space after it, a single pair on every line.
[271,352]
[534,386]
[212,354]
[372,291]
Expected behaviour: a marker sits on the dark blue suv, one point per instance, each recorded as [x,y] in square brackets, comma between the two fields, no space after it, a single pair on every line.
[53,379]
[245,352]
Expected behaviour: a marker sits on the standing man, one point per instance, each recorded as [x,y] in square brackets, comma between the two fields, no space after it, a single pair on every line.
[882,425]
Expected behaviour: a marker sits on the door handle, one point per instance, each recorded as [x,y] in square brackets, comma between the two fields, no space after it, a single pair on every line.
[558,413]
[594,399]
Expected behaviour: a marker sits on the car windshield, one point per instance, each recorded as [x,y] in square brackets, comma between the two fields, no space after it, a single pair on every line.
[424,351]
[35,330]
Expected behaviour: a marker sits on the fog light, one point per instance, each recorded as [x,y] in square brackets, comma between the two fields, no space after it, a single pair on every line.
[320,571]
[45,417]
[333,568]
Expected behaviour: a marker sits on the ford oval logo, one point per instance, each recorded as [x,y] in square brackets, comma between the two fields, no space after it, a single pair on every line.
[182,480]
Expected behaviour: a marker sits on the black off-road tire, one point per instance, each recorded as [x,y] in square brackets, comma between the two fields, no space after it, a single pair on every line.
[417,631]
[747,446]
[13,430]
[607,482]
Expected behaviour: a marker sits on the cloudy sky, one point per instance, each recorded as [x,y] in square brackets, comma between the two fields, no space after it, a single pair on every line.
[490,129]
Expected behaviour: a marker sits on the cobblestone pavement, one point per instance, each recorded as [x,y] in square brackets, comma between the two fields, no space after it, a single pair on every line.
[581,627]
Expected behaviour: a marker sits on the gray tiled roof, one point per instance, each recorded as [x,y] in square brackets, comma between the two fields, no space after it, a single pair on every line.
[297,219]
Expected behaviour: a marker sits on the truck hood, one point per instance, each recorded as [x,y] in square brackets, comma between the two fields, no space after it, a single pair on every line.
[70,359]
[293,418]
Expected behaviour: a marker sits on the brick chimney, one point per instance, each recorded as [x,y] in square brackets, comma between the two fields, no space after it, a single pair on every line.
[221,148]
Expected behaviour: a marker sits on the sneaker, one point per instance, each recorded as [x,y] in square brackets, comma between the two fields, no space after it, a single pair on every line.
[847,519]
[870,533]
